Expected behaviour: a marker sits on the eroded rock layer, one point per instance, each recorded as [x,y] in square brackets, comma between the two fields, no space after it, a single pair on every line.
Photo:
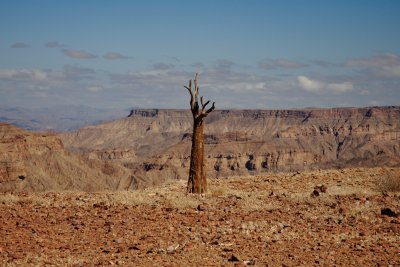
[243,142]
[38,161]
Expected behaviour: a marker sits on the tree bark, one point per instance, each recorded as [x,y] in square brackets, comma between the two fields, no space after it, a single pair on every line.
[197,182]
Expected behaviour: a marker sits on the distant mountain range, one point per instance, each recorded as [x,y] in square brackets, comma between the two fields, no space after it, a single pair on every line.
[59,119]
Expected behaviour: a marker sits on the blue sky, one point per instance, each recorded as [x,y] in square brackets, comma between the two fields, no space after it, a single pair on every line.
[250,54]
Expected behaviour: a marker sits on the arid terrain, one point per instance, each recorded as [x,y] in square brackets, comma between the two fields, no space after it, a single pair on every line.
[344,217]
[153,146]
[286,188]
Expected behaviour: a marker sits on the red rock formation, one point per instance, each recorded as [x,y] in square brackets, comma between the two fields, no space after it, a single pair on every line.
[37,162]
[242,142]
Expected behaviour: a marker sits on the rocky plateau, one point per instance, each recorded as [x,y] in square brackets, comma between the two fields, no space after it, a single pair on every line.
[151,146]
[246,142]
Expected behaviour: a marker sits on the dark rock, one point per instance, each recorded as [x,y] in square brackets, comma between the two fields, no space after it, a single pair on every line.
[320,188]
[315,193]
[202,207]
[233,258]
[249,262]
[388,212]
[250,165]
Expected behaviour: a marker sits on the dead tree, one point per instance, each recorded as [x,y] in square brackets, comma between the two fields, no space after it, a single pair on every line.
[197,182]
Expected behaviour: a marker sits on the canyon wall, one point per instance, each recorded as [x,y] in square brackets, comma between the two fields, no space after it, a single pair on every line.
[38,161]
[151,146]
[247,142]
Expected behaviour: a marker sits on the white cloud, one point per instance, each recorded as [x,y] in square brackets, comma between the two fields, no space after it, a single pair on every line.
[389,71]
[198,65]
[162,66]
[374,103]
[241,87]
[115,56]
[73,72]
[340,87]
[375,61]
[224,63]
[282,63]
[386,66]
[20,45]
[322,63]
[13,74]
[163,88]
[95,89]
[53,45]
[311,85]
[78,54]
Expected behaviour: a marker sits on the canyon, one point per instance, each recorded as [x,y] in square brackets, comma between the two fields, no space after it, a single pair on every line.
[246,142]
[32,161]
[151,146]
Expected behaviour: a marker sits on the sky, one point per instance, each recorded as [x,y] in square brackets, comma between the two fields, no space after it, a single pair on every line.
[249,54]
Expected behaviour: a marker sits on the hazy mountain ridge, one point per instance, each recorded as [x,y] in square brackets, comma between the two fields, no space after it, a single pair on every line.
[59,119]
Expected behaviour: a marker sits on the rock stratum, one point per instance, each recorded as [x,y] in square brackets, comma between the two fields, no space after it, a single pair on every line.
[151,146]
[155,144]
[38,161]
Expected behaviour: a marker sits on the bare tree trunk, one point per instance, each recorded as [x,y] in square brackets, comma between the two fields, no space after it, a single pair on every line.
[197,182]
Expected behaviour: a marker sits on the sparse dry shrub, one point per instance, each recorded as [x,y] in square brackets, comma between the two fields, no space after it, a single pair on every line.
[217,191]
[183,202]
[389,183]
[7,198]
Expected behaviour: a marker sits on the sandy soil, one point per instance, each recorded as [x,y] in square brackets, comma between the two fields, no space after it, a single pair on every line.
[268,220]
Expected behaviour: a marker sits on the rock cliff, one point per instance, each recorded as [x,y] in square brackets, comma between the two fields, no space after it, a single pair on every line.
[151,146]
[243,142]
[38,161]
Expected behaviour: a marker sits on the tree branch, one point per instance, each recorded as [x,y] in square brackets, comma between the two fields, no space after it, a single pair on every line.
[210,109]
[194,104]
[204,105]
[191,94]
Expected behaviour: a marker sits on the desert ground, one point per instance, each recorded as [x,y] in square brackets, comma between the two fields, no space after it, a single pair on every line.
[341,217]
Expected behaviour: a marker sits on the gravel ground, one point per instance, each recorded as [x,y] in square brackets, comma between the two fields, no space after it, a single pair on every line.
[345,217]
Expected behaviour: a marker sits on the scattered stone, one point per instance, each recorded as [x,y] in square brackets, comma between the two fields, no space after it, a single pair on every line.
[133,248]
[214,242]
[388,212]
[318,190]
[172,248]
[246,234]
[249,262]
[201,207]
[315,193]
[233,258]
[321,188]
[296,173]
